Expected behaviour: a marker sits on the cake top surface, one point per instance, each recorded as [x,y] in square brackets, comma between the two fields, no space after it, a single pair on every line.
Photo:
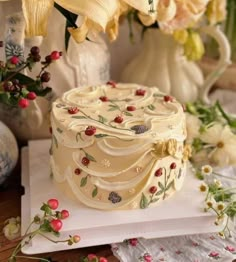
[125,111]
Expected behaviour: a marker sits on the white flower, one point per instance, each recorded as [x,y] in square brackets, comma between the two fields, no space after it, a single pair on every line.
[217,183]
[210,202]
[206,170]
[220,206]
[203,187]
[223,142]
[220,220]
[193,124]
[12,228]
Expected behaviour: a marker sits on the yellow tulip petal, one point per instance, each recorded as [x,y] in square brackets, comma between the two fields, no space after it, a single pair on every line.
[36,15]
[79,34]
[100,12]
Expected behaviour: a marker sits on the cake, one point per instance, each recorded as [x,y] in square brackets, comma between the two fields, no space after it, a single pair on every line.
[118,146]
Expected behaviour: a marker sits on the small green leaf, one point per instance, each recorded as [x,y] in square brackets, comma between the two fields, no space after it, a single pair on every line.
[83,181]
[45,226]
[170,185]
[127,113]
[113,109]
[57,234]
[79,117]
[101,135]
[154,200]
[112,105]
[199,175]
[95,192]
[158,193]
[102,119]
[143,202]
[161,186]
[151,107]
[91,158]
[59,130]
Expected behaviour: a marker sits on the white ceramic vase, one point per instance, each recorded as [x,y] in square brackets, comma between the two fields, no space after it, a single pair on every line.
[161,63]
[8,152]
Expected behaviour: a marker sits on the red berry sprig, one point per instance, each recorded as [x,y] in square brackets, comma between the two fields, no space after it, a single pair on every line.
[73,110]
[111,83]
[56,225]
[31,96]
[131,108]
[50,222]
[77,171]
[14,60]
[64,214]
[19,89]
[153,189]
[90,131]
[158,172]
[173,165]
[85,161]
[23,103]
[53,203]
[140,92]
[118,119]
[168,99]
[93,257]
[104,98]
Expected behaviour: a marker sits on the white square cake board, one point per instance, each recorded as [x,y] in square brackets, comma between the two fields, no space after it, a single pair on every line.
[182,214]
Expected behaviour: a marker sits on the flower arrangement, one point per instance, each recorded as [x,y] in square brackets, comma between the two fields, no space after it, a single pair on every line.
[220,198]
[18,89]
[182,19]
[48,223]
[212,134]
[174,17]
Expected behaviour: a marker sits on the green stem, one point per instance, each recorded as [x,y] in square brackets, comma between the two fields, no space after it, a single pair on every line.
[18,247]
[223,113]
[54,241]
[226,225]
[16,72]
[217,174]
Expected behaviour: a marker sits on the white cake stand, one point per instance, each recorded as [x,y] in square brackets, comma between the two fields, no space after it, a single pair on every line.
[180,215]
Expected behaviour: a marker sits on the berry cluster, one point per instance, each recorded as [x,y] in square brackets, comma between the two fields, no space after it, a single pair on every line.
[17,89]
[50,222]
[94,258]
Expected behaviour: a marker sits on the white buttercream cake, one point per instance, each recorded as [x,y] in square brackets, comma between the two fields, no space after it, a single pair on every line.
[118,146]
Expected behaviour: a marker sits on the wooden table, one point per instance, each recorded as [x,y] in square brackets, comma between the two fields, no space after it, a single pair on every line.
[10,206]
